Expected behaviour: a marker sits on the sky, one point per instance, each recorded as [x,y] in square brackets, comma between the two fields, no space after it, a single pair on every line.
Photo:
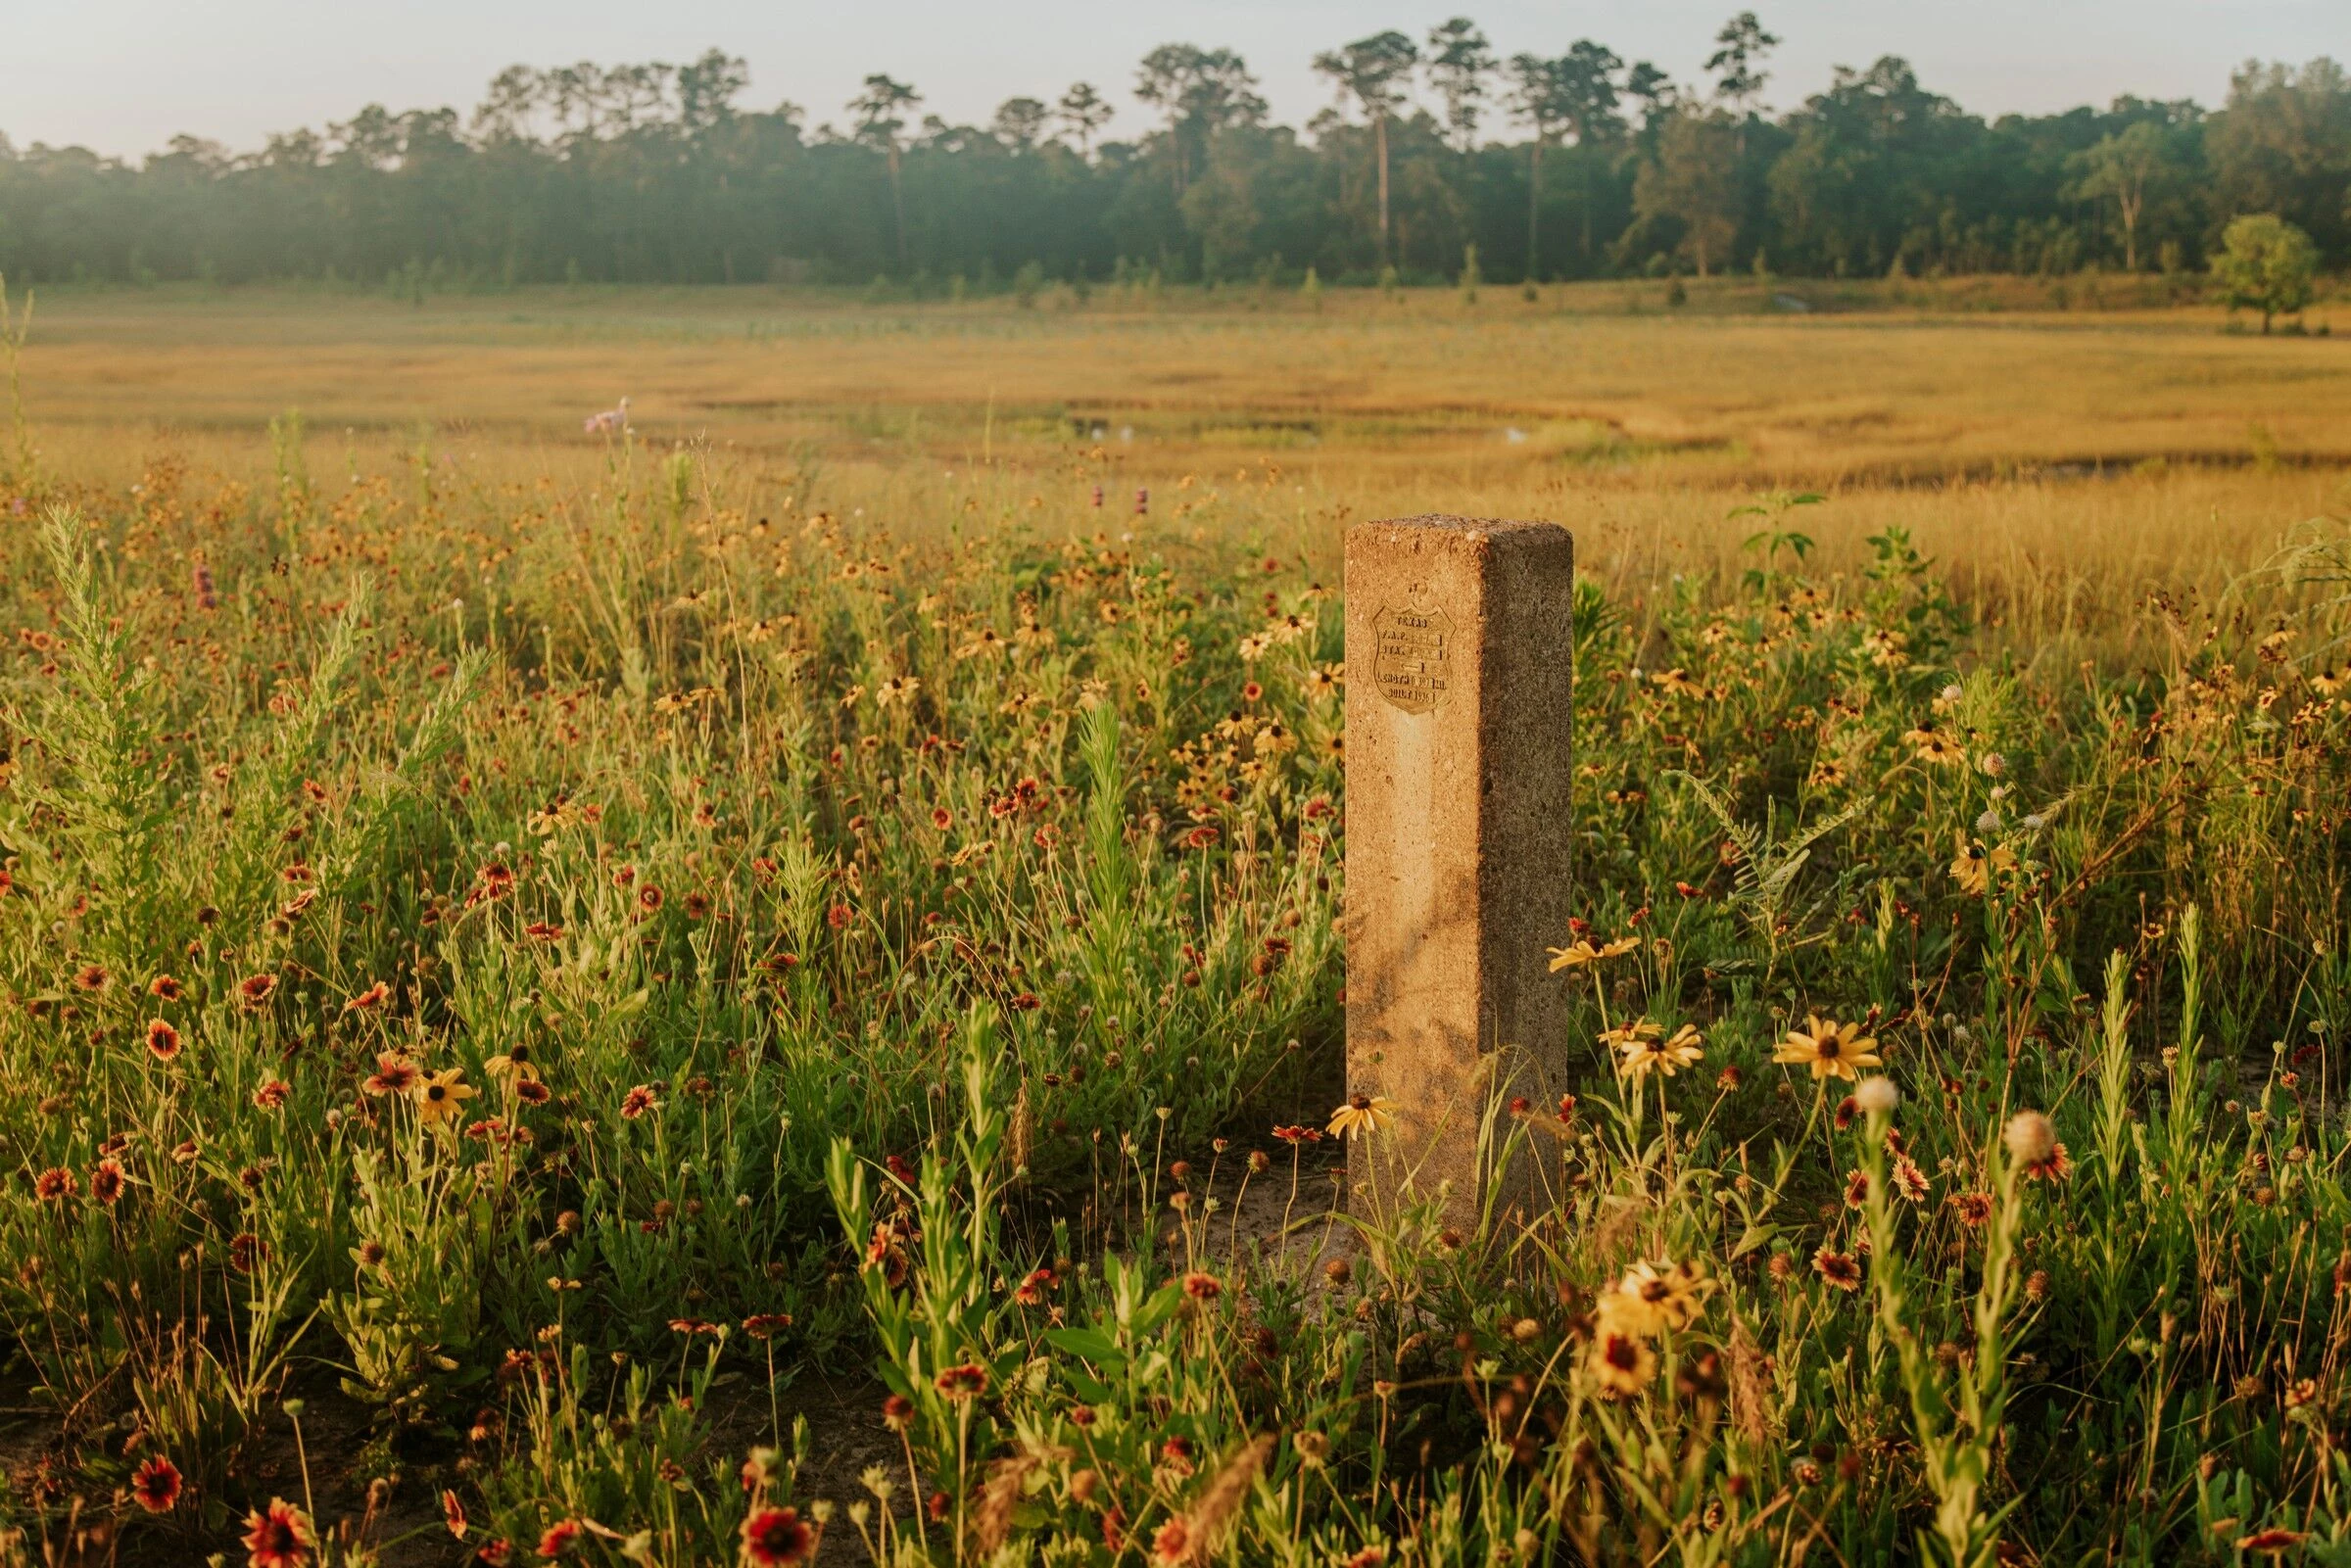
[123,76]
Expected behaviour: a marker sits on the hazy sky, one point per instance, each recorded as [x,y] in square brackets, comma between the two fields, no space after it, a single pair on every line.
[124,75]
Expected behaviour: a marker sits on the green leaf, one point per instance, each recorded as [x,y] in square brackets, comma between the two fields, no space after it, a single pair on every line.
[1091,1343]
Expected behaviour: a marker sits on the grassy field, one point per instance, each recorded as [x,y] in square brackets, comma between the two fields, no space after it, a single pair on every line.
[770,987]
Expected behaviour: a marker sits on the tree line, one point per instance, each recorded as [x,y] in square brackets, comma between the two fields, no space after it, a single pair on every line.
[1436,155]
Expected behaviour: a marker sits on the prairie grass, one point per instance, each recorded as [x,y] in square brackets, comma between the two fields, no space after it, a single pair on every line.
[528,945]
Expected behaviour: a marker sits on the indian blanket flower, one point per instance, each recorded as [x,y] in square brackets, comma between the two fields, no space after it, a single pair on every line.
[2273,1542]
[1830,1049]
[776,1538]
[452,1514]
[162,1040]
[394,1073]
[1362,1115]
[637,1102]
[54,1185]
[1910,1180]
[280,1537]
[1840,1269]
[255,990]
[273,1094]
[442,1096]
[106,1181]
[962,1382]
[164,988]
[368,1001]
[155,1485]
[559,1537]
[1174,1542]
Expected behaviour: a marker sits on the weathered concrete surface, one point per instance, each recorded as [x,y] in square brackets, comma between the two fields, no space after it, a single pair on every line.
[1459,680]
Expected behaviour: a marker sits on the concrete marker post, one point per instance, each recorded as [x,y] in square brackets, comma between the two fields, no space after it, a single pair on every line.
[1459,775]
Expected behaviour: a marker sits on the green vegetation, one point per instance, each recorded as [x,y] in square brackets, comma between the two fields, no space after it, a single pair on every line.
[524,967]
[2268,264]
[1565,166]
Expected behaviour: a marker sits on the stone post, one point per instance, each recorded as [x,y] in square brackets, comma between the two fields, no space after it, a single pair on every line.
[1459,779]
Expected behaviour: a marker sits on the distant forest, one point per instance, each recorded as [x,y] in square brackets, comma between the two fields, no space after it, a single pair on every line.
[1436,156]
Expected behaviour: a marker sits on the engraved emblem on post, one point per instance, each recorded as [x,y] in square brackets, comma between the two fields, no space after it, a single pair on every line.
[1412,663]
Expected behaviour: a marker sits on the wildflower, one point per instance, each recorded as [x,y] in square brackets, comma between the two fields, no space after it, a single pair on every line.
[1641,1050]
[162,1040]
[773,1537]
[155,1483]
[106,1181]
[2030,1137]
[279,1536]
[515,1065]
[1839,1270]
[1910,1180]
[90,977]
[54,1185]
[1832,1050]
[1201,1286]
[1294,1136]
[491,884]
[497,1552]
[637,1102]
[1650,1300]
[897,1412]
[1621,1362]
[394,1073]
[255,989]
[1581,952]
[962,1382]
[1174,1542]
[443,1095]
[2055,1165]
[164,988]
[2273,1542]
[1857,1190]
[1877,1095]
[273,1094]
[1930,745]
[1362,1115]
[452,1514]
[559,1537]
[370,999]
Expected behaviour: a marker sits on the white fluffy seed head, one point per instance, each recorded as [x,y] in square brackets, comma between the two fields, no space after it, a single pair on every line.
[1877,1095]
[2029,1138]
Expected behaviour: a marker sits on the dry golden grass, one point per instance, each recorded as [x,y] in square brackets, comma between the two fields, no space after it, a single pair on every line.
[2061,460]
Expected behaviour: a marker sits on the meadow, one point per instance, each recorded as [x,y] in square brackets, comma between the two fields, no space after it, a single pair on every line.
[770,987]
